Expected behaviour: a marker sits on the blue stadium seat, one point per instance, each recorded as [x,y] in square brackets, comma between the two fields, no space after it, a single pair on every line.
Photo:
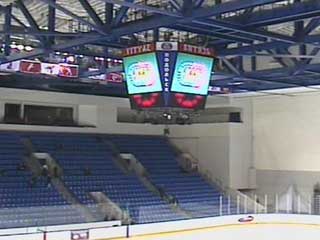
[22,205]
[75,153]
[192,192]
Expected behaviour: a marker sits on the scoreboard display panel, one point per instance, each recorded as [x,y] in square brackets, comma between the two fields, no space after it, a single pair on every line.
[142,74]
[192,74]
[168,75]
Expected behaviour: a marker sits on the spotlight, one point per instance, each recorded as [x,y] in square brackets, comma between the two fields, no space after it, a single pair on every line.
[28,48]
[167,116]
[98,58]
[20,47]
[70,59]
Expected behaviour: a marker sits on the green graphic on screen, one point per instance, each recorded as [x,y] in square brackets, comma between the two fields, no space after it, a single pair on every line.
[142,74]
[192,74]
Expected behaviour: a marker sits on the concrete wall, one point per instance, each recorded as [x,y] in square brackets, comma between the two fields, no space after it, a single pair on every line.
[223,149]
[287,133]
[89,110]
[279,137]
[286,141]
[240,148]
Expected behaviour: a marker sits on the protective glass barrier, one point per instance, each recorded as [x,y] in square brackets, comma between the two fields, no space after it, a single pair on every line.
[49,216]
[138,212]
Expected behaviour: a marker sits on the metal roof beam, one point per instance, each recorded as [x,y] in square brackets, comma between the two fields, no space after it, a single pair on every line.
[278,55]
[292,12]
[175,5]
[56,47]
[121,14]
[202,12]
[108,13]
[300,67]
[2,9]
[256,76]
[31,20]
[280,60]
[130,4]
[146,24]
[187,8]
[312,25]
[7,28]
[231,67]
[101,30]
[232,6]
[91,12]
[48,33]
[51,23]
[198,3]
[204,31]
[268,45]
[260,35]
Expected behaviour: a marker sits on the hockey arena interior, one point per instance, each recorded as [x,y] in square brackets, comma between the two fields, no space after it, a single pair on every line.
[159,119]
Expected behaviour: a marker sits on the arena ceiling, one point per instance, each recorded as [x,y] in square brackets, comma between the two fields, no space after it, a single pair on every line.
[260,44]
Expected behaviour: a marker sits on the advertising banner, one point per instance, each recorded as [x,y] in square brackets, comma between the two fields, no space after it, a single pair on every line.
[27,66]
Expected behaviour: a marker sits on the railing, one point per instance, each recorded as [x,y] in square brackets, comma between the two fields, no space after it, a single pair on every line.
[217,206]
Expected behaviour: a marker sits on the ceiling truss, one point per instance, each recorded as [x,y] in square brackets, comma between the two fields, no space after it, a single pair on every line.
[249,35]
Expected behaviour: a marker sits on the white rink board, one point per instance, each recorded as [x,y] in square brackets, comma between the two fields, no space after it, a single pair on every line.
[255,227]
[250,231]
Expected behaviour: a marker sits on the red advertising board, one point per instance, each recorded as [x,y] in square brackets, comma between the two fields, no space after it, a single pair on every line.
[68,71]
[146,48]
[27,66]
[114,77]
[203,51]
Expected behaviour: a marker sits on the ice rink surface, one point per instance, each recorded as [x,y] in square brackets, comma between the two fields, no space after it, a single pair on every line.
[243,232]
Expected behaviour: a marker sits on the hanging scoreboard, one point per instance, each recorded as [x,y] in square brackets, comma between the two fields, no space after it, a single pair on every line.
[142,74]
[168,74]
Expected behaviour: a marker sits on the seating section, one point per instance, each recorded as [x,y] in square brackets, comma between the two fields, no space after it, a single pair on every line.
[88,165]
[24,204]
[192,192]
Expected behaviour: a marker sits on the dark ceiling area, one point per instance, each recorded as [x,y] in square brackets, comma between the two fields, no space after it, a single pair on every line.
[260,44]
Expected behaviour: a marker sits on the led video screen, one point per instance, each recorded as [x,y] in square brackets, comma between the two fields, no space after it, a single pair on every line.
[146,100]
[142,74]
[187,101]
[192,74]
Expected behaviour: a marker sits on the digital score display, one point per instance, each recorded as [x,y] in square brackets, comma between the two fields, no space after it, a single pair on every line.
[192,74]
[142,74]
[168,74]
